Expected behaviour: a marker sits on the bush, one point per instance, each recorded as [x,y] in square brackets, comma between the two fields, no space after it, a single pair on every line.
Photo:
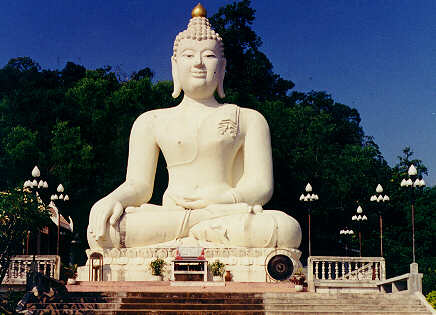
[217,268]
[68,271]
[9,300]
[157,266]
[431,298]
[429,281]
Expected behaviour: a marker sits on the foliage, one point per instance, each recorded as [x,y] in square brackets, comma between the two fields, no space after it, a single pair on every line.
[68,271]
[429,279]
[74,123]
[298,277]
[9,301]
[431,298]
[157,266]
[217,268]
[249,71]
[20,213]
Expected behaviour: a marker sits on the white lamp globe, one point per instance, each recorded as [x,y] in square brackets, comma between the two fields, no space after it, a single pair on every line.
[379,189]
[412,170]
[36,172]
[308,187]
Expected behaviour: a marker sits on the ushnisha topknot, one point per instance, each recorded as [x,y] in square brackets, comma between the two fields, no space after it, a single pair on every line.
[198,29]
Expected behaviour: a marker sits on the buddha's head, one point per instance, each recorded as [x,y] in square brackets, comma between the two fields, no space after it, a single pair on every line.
[198,61]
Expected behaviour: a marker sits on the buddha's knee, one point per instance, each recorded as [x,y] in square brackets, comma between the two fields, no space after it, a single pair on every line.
[269,228]
[287,231]
[111,239]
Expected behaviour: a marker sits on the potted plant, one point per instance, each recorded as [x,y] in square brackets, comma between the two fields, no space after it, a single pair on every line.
[298,279]
[70,273]
[157,267]
[217,268]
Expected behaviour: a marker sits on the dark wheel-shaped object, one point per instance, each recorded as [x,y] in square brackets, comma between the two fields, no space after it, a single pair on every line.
[280,267]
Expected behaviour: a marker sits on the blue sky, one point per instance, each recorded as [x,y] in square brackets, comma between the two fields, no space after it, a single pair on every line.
[378,56]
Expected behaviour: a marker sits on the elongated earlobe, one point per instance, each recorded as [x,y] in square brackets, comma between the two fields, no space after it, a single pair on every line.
[176,82]
[220,88]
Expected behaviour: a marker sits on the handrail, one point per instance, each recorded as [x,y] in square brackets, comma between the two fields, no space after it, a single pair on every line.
[340,268]
[407,283]
[20,265]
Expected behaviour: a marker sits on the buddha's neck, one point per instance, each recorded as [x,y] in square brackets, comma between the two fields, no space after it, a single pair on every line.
[191,103]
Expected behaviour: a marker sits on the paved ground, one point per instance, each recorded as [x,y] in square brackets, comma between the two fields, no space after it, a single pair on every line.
[165,286]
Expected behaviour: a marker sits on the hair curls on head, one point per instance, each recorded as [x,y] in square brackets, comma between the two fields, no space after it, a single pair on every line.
[198,29]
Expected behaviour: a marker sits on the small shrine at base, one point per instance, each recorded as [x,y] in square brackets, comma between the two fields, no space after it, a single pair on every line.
[243,264]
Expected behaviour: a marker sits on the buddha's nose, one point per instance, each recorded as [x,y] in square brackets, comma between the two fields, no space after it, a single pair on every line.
[198,61]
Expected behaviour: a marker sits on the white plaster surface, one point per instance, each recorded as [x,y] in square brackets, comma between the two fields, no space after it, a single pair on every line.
[133,264]
[220,175]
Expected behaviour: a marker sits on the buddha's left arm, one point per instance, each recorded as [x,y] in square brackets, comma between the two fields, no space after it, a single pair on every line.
[256,183]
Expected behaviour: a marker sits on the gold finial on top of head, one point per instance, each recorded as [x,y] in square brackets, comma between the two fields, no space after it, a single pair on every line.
[199,11]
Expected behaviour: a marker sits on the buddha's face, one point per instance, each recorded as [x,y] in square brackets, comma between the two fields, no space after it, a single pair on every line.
[199,67]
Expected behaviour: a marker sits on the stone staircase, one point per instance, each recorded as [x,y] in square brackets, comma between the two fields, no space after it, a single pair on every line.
[223,303]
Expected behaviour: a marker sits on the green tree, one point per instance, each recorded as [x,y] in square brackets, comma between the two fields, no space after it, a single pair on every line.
[19,146]
[249,71]
[20,213]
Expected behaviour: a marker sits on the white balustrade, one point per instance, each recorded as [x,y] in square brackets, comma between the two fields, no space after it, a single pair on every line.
[20,265]
[346,268]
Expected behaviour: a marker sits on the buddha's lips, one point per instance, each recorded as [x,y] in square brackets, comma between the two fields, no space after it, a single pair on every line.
[199,74]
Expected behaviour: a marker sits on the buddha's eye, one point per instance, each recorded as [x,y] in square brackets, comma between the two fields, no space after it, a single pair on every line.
[209,54]
[188,54]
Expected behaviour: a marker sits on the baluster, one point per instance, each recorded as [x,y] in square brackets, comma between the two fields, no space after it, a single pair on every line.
[329,276]
[323,270]
[23,269]
[370,270]
[343,270]
[336,270]
[316,270]
[25,265]
[358,266]
[377,271]
[353,270]
[19,269]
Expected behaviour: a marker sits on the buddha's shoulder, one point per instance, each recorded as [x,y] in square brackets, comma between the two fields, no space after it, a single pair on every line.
[155,116]
[250,116]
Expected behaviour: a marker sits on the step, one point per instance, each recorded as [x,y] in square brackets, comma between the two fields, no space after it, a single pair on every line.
[220,312]
[222,303]
[272,307]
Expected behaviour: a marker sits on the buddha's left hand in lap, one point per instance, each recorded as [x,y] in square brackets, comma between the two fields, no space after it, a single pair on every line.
[204,197]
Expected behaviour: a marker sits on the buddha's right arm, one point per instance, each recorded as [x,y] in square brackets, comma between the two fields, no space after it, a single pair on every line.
[138,187]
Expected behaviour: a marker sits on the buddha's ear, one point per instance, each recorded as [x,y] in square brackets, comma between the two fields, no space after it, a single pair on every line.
[222,73]
[176,81]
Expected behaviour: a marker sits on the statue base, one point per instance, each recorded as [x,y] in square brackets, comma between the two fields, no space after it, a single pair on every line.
[244,264]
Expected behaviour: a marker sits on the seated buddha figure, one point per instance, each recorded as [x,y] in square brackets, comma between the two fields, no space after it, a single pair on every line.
[218,159]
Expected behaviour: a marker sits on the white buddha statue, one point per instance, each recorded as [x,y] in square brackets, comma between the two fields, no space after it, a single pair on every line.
[218,159]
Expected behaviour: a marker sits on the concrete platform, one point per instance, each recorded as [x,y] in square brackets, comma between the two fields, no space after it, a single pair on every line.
[165,286]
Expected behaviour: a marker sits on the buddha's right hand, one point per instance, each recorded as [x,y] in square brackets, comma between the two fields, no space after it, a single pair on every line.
[103,210]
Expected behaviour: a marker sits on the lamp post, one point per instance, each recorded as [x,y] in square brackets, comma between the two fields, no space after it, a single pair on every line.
[359,218]
[380,199]
[61,196]
[413,182]
[35,187]
[345,233]
[309,198]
